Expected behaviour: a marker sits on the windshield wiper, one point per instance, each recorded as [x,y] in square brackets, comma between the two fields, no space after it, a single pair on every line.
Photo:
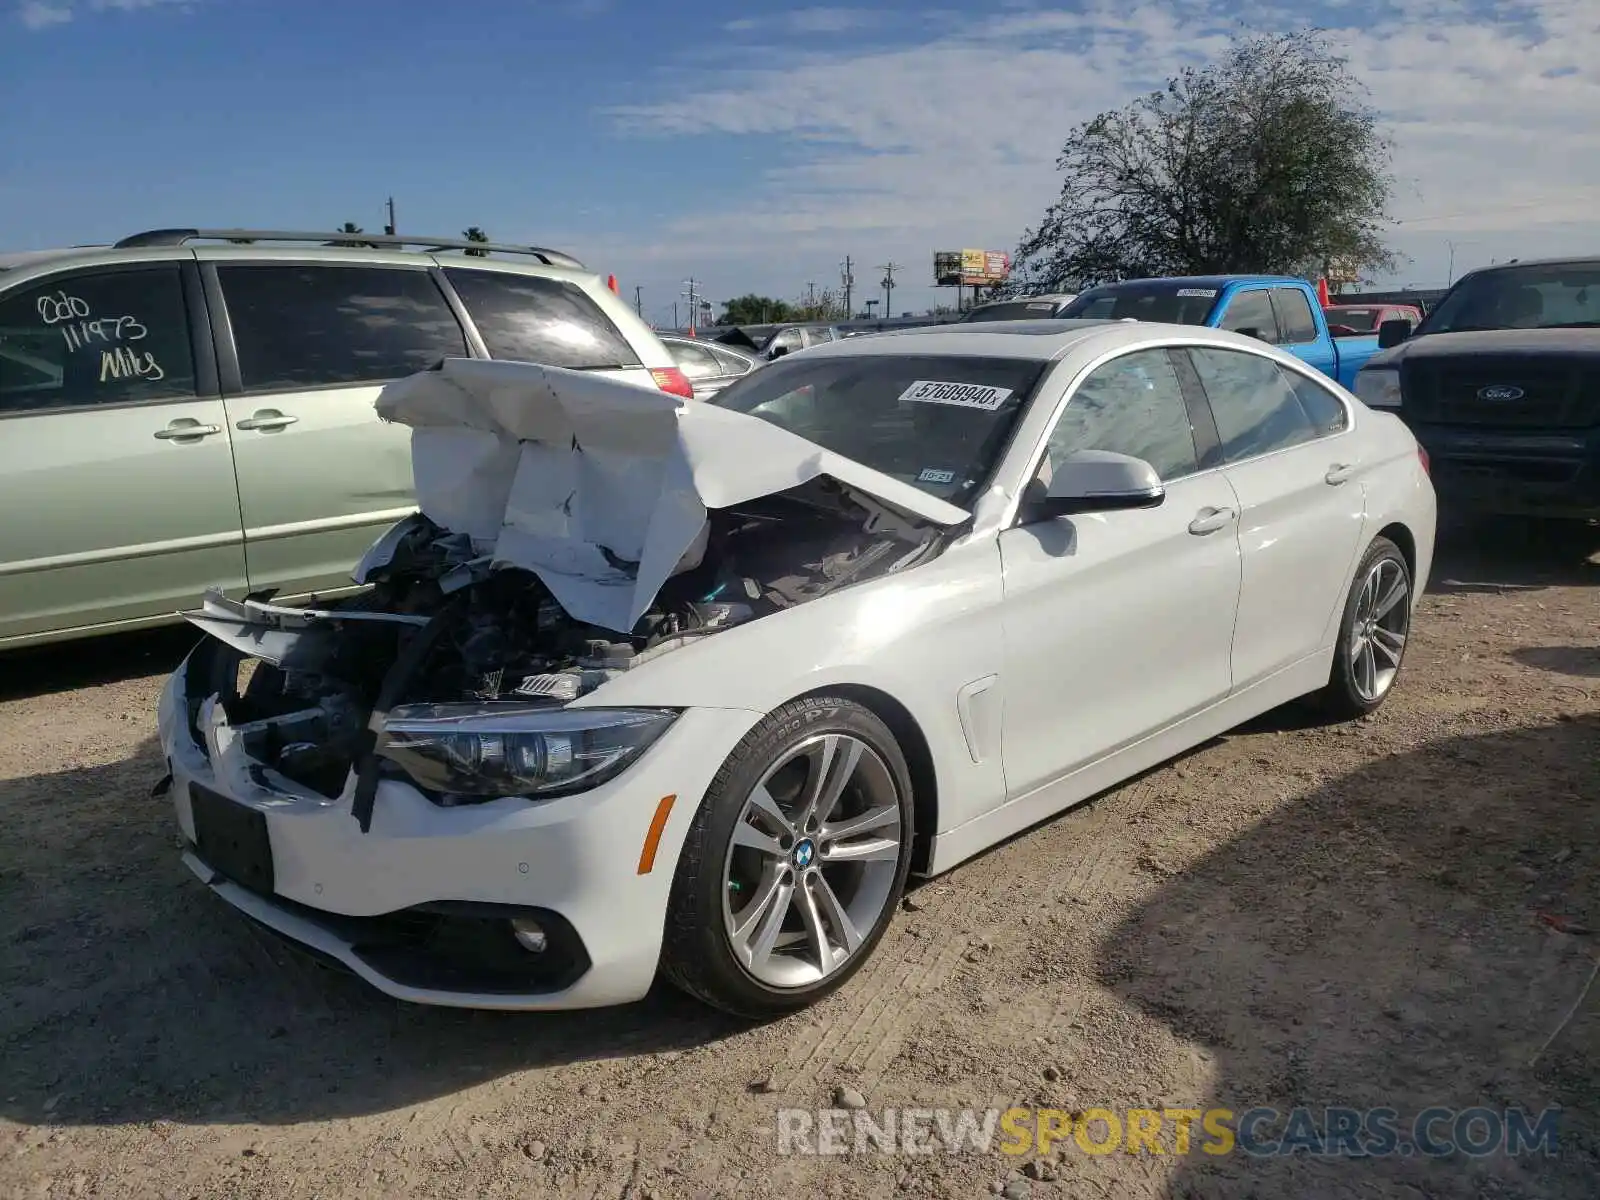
[1573,325]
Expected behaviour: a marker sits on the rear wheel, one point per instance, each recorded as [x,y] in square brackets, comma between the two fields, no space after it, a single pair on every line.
[1372,634]
[794,863]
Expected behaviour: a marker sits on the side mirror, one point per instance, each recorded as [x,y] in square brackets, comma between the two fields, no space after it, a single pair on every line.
[1250,331]
[1091,481]
[778,352]
[1392,333]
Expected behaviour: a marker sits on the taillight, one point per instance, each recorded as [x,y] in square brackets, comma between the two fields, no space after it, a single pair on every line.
[672,381]
[1422,457]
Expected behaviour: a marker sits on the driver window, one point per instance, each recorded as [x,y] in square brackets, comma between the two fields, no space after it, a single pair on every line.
[1130,405]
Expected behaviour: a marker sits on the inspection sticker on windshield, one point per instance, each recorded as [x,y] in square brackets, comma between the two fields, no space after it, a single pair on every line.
[933,475]
[962,395]
[1200,293]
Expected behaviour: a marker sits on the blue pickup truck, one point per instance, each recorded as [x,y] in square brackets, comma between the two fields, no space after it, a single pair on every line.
[1279,310]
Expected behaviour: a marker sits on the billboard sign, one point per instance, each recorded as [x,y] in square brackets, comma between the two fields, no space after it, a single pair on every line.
[970,268]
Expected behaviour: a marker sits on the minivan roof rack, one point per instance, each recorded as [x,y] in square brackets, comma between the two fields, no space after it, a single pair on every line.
[178,237]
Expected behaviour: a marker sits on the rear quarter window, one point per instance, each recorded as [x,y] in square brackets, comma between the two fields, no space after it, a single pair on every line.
[552,322]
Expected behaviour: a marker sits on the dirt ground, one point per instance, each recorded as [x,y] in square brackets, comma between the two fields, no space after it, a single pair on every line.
[1290,915]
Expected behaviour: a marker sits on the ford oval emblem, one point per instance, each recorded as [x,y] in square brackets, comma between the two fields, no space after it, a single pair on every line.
[1500,391]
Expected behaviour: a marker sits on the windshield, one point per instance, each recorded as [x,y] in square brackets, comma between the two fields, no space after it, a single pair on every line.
[1556,296]
[936,422]
[1014,310]
[1362,320]
[1171,303]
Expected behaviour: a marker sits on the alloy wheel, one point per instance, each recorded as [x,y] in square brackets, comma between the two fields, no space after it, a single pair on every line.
[812,861]
[1378,631]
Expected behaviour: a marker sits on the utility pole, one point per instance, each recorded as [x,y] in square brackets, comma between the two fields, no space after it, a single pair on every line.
[390,227]
[888,269]
[811,294]
[674,316]
[693,294]
[638,299]
[848,279]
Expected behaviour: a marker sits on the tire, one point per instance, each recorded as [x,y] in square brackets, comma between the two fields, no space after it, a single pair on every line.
[728,901]
[1370,650]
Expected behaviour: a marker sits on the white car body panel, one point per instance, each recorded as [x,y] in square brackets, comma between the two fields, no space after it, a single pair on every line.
[1039,665]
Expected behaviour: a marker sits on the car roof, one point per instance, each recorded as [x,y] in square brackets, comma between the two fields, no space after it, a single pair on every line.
[1589,260]
[1048,339]
[1213,281]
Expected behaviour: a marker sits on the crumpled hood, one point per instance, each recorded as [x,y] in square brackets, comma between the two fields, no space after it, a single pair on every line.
[597,486]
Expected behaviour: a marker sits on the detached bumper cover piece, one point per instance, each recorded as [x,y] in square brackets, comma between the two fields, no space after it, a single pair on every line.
[599,487]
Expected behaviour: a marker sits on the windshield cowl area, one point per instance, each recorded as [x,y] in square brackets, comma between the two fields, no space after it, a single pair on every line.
[1538,296]
[936,422]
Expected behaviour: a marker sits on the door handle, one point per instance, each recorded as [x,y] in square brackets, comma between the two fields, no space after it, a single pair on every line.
[267,418]
[186,427]
[1210,520]
[1338,473]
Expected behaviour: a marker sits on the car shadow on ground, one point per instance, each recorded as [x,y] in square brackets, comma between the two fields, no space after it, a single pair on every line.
[1506,555]
[1387,942]
[92,662]
[129,993]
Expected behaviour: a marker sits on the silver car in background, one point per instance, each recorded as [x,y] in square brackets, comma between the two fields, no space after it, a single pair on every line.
[709,366]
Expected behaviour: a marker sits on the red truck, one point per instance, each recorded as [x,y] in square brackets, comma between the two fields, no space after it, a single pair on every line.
[1362,320]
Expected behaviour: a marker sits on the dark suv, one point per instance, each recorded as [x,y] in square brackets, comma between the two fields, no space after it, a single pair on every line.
[1501,385]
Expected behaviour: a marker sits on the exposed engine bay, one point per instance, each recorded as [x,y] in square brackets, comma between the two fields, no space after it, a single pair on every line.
[441,624]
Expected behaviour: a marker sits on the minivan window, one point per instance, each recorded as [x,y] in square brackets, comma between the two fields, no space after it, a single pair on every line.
[526,318]
[300,326]
[118,337]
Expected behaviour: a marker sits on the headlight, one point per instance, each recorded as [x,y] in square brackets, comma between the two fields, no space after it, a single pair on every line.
[1378,387]
[484,751]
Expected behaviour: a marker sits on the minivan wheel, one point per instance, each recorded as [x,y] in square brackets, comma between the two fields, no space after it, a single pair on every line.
[794,863]
[1372,634]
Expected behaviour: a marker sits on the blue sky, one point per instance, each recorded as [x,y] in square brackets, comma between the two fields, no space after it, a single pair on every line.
[753,146]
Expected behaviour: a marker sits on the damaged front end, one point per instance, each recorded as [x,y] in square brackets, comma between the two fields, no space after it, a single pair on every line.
[453,671]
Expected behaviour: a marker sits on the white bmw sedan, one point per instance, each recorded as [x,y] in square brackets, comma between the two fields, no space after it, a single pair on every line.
[662,687]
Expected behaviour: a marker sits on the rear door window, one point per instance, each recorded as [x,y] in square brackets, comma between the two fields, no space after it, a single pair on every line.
[304,326]
[695,361]
[1255,402]
[526,318]
[117,337]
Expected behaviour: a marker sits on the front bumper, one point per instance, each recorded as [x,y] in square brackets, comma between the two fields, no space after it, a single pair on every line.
[1514,473]
[420,905]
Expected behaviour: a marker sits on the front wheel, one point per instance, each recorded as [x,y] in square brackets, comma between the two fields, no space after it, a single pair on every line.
[1372,634]
[795,861]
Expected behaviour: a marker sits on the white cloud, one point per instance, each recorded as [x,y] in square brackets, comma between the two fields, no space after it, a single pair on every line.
[950,139]
[38,14]
[42,14]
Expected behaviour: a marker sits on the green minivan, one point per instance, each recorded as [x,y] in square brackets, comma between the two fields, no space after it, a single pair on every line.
[191,409]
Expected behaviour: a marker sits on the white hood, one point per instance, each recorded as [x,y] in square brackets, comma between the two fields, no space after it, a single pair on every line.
[542,467]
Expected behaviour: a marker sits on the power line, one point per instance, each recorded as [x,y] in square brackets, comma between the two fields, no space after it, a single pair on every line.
[1494,211]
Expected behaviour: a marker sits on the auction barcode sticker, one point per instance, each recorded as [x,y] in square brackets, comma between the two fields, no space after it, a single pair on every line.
[961,395]
[1198,293]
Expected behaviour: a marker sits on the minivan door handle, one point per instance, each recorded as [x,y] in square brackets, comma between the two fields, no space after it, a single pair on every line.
[1338,473]
[186,427]
[267,418]
[1210,520]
